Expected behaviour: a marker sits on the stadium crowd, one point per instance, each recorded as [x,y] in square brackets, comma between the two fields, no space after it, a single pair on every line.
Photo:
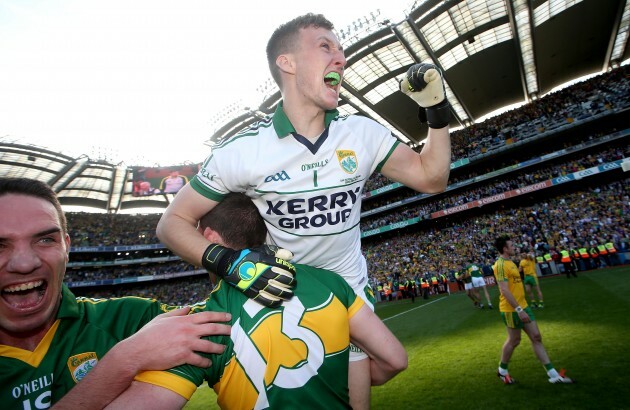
[590,217]
[90,229]
[111,272]
[589,151]
[176,292]
[502,184]
[577,101]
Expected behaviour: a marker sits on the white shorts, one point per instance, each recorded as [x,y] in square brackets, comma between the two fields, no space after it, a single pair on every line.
[357,354]
[468,286]
[478,282]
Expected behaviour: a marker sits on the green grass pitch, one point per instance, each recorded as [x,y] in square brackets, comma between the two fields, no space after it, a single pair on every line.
[454,350]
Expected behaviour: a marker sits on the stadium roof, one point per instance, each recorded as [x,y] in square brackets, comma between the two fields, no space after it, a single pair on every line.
[493,53]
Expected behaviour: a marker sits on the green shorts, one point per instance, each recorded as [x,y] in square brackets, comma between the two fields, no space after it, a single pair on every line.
[512,320]
[531,280]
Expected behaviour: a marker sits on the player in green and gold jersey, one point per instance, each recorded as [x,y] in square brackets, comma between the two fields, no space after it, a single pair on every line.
[478,282]
[286,357]
[50,340]
[527,266]
[517,315]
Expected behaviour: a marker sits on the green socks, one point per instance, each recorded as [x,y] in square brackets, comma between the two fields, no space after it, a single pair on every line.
[551,372]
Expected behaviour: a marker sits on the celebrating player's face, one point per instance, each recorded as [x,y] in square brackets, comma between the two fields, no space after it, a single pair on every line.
[319,66]
[33,258]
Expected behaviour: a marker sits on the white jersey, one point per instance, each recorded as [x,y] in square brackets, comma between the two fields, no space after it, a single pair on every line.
[309,194]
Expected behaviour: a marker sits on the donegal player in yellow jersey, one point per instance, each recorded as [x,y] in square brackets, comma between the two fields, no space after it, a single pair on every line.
[291,356]
[527,266]
[517,315]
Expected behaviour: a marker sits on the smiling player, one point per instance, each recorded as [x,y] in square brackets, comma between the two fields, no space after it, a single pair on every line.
[305,166]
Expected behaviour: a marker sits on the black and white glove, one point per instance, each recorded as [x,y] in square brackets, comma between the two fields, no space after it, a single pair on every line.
[263,274]
[423,84]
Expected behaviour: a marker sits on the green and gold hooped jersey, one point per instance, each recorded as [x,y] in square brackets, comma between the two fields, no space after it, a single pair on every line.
[84,331]
[506,271]
[308,193]
[290,357]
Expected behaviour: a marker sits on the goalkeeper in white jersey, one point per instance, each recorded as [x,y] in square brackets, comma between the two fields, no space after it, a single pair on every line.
[305,167]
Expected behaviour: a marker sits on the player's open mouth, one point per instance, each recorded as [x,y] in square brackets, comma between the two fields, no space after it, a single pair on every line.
[25,295]
[332,79]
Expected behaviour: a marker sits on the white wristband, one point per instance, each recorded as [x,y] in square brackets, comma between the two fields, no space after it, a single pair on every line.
[518,309]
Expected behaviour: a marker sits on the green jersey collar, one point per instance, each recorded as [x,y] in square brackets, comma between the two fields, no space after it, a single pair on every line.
[69,307]
[283,126]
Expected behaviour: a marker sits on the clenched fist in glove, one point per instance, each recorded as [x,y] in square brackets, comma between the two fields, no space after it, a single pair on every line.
[262,274]
[423,83]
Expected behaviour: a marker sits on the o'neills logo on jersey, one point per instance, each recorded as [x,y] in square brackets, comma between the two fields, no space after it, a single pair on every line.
[348,160]
[314,165]
[81,364]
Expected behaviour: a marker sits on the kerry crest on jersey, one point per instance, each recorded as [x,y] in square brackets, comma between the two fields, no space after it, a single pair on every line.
[81,364]
[348,160]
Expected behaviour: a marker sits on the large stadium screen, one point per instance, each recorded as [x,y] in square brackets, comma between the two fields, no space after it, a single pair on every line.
[165,180]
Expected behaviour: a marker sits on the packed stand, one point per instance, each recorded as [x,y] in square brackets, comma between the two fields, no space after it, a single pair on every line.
[89,229]
[112,272]
[506,183]
[589,217]
[589,97]
[174,292]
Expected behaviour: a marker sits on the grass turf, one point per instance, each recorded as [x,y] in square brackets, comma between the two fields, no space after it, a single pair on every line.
[454,350]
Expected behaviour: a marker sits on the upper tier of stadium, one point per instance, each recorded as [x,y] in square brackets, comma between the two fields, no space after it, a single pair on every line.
[493,53]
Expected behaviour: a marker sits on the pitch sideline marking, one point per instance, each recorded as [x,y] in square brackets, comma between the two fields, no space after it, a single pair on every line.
[411,310]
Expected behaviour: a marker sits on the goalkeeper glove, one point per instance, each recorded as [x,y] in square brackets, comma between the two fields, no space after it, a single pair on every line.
[262,274]
[423,84]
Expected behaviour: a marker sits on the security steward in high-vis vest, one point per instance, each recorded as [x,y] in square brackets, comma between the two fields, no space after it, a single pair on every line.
[565,258]
[548,261]
[612,253]
[544,268]
[594,257]
[424,284]
[577,260]
[603,254]
[434,284]
[586,257]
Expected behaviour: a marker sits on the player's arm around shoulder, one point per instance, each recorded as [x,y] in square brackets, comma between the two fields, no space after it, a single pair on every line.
[427,171]
[170,339]
[177,228]
[387,355]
